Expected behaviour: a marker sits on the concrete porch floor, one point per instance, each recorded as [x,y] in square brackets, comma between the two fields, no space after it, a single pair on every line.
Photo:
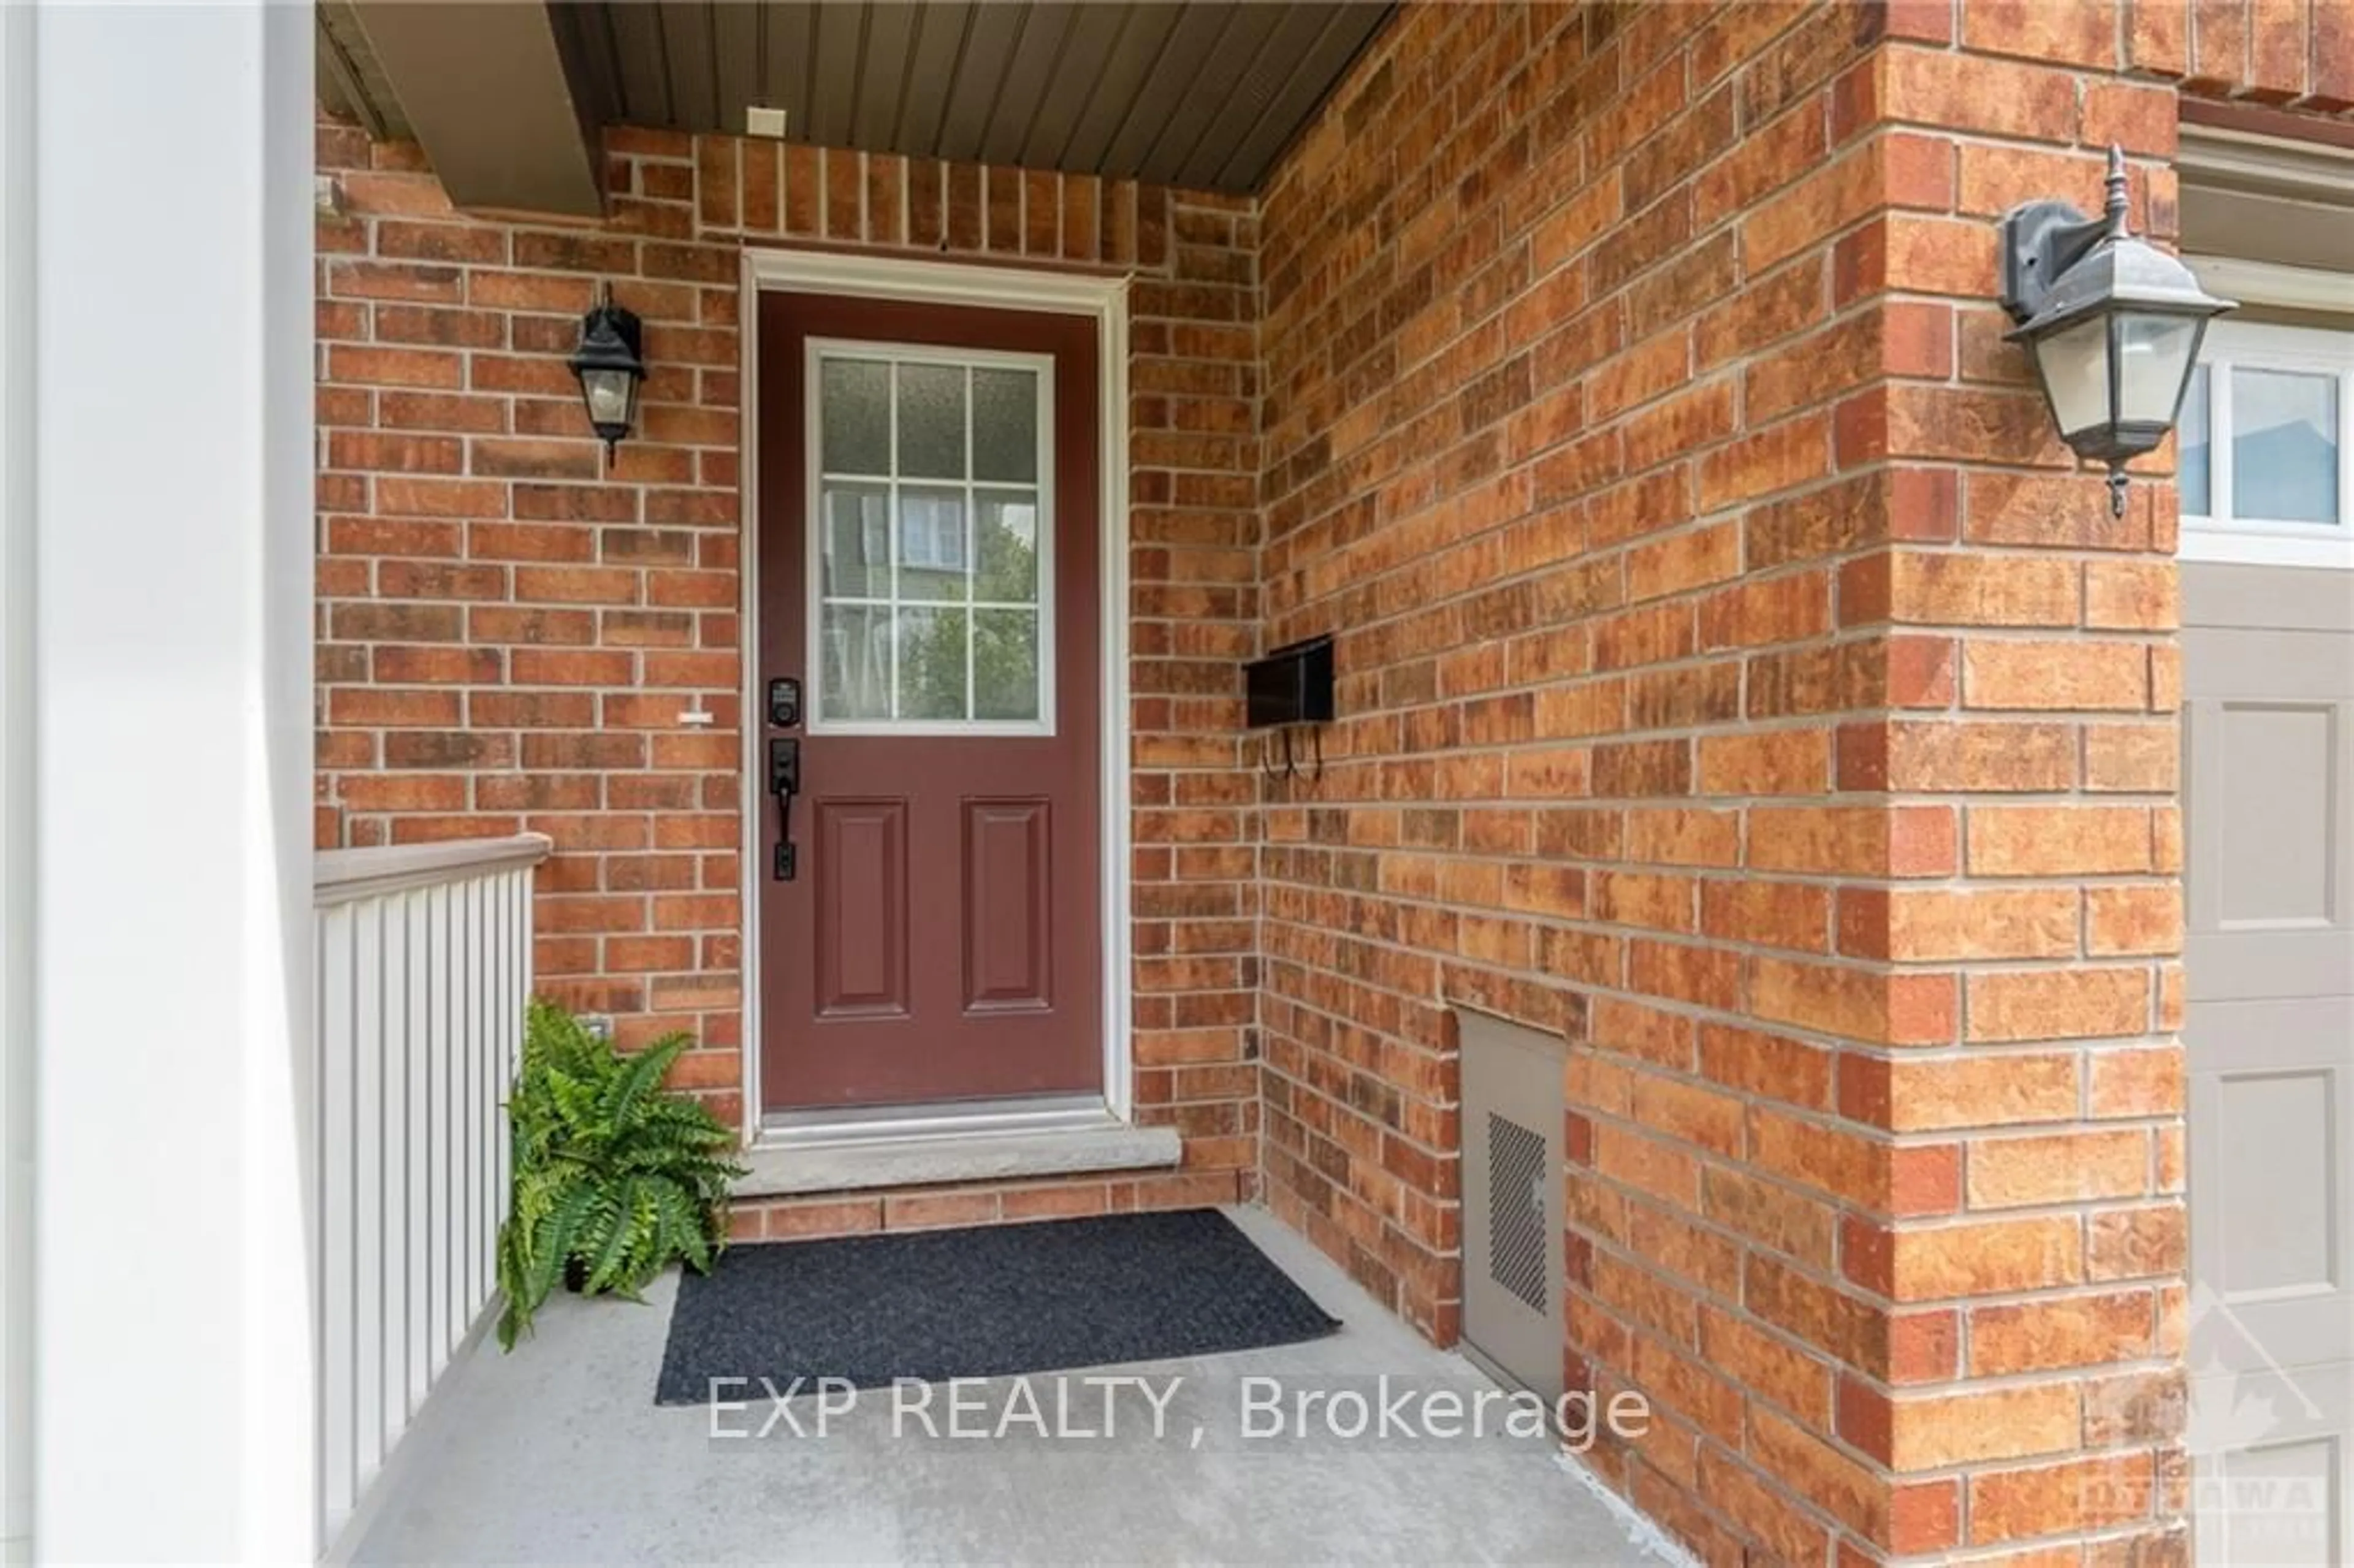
[559,1453]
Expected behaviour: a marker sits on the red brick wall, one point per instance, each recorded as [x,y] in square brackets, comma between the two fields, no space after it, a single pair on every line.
[1736,675]
[1557,340]
[509,626]
[2296,53]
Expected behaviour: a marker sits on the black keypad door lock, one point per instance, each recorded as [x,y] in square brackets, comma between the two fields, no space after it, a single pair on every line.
[785,702]
[784,783]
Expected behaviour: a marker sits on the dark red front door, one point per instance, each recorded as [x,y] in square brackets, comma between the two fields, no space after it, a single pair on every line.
[928,574]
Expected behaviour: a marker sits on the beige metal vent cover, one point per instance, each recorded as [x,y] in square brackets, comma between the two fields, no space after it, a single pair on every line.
[1513,1223]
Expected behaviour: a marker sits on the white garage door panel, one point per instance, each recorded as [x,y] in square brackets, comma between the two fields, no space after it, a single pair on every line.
[2262,598]
[2258,966]
[2268,793]
[2270,1188]
[2274,1490]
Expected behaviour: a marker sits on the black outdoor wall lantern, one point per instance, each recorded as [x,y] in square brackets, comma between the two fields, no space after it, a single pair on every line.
[2113,324]
[610,366]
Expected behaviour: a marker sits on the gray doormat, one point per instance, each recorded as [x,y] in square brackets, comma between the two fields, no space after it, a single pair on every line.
[986,1302]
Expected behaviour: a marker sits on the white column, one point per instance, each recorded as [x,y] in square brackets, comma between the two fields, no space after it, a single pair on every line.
[171,445]
[15,786]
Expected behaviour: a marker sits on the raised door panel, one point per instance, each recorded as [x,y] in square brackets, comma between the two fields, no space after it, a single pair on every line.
[862,898]
[2270,1189]
[1008,906]
[2276,1467]
[2271,855]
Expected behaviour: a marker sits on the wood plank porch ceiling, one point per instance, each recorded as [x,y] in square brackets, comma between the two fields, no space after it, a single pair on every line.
[1200,93]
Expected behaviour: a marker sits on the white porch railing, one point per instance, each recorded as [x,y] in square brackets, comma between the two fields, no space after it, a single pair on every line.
[423,968]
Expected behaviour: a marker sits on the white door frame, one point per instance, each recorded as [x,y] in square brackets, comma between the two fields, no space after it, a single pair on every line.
[1104,300]
[16,867]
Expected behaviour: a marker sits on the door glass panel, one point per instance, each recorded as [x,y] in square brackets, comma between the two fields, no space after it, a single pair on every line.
[2191,474]
[857,402]
[1005,663]
[935,560]
[933,579]
[932,420]
[934,644]
[854,649]
[1005,426]
[1008,543]
[2284,446]
[857,541]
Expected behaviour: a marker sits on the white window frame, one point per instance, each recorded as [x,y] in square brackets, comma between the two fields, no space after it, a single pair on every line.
[1042,366]
[2217,536]
[17,771]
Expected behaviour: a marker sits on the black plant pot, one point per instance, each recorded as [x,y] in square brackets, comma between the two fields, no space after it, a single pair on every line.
[576,1275]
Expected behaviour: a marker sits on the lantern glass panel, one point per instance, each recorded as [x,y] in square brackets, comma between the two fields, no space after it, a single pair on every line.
[2154,359]
[2075,362]
[608,394]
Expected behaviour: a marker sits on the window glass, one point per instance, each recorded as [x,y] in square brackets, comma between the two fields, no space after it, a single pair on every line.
[932,420]
[933,665]
[2284,446]
[931,590]
[1005,426]
[856,547]
[1008,530]
[1005,663]
[2190,461]
[856,396]
[854,649]
[933,561]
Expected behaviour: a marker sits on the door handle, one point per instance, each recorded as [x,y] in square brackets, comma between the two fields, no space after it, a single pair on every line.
[784,783]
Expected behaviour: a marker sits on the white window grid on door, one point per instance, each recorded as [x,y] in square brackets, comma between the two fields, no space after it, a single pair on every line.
[2219,533]
[939,552]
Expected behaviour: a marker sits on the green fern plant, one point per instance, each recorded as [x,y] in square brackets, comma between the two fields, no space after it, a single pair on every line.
[614,1176]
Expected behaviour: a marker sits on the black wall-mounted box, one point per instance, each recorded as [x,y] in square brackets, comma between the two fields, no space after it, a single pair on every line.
[1293,684]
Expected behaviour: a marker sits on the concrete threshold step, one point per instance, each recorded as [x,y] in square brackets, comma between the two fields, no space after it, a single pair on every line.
[781,1169]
